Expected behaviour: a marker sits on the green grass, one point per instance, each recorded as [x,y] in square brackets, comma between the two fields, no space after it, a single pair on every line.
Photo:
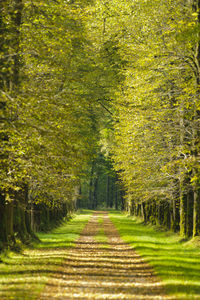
[176,262]
[23,276]
[65,235]
[100,237]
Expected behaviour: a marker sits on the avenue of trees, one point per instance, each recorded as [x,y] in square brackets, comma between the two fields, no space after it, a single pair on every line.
[50,114]
[99,104]
[157,112]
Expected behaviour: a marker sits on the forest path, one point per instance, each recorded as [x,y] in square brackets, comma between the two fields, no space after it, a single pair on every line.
[102,266]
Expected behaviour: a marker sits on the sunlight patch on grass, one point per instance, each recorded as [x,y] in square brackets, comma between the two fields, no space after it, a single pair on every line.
[175,261]
[23,276]
[100,237]
[65,235]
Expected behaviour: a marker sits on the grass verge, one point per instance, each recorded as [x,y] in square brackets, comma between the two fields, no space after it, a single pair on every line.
[100,237]
[176,262]
[23,276]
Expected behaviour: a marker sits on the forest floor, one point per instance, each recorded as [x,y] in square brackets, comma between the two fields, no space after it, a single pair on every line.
[86,258]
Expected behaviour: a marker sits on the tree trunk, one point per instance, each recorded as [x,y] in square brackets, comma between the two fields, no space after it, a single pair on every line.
[159,219]
[9,208]
[17,20]
[112,192]
[196,131]
[183,209]
[196,214]
[175,216]
[144,215]
[3,229]
[91,186]
[190,208]
[32,215]
[108,191]
[182,182]
[116,197]
[95,193]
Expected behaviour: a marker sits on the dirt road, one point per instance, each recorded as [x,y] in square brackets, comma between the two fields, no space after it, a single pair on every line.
[103,270]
